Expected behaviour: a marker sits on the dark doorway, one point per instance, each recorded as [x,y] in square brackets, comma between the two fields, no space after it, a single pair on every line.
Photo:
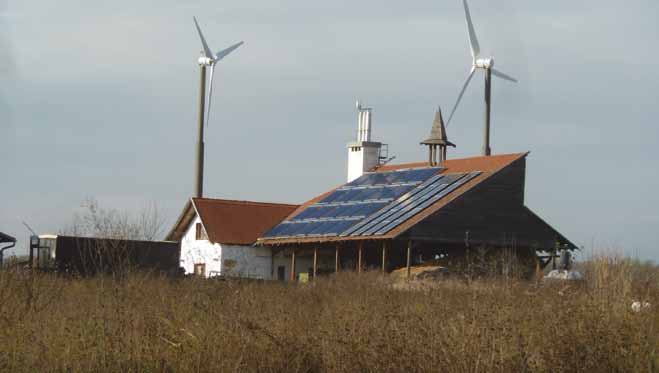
[281,273]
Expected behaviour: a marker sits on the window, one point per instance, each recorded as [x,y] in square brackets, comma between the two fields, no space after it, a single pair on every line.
[200,269]
[200,233]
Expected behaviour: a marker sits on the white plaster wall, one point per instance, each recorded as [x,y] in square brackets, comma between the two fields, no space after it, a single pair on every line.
[200,251]
[371,156]
[247,261]
[362,158]
[355,163]
[243,261]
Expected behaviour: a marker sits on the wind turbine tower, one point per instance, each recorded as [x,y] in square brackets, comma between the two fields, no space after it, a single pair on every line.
[207,60]
[487,64]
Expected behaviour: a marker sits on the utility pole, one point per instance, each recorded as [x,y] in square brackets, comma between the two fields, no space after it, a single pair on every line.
[488,101]
[199,170]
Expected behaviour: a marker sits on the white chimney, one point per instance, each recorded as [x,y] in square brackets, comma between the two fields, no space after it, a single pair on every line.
[363,154]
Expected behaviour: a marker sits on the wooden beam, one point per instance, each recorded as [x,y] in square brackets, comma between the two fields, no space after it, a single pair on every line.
[272,264]
[384,256]
[315,262]
[337,262]
[359,256]
[409,258]
[292,278]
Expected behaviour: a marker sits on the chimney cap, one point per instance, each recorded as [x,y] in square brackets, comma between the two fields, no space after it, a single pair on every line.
[438,132]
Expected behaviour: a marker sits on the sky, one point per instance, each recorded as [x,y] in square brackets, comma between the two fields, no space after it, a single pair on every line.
[99,100]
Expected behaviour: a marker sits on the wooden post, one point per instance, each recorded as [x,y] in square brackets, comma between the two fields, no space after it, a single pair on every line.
[337,263]
[409,258]
[31,254]
[293,266]
[272,263]
[359,256]
[384,256]
[315,262]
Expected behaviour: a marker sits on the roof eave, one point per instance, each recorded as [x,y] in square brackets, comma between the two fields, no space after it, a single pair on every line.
[175,234]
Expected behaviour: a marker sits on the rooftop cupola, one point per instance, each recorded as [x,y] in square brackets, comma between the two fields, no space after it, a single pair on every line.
[438,141]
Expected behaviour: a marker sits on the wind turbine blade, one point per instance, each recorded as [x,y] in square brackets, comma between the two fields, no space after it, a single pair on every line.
[503,76]
[210,94]
[223,53]
[207,51]
[464,87]
[473,42]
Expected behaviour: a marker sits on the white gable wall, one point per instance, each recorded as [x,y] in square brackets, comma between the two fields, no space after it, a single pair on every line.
[241,260]
[195,251]
[223,259]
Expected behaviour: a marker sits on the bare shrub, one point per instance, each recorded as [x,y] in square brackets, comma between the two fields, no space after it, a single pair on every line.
[345,323]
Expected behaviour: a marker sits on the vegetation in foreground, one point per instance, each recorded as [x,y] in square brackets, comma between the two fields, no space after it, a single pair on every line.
[346,323]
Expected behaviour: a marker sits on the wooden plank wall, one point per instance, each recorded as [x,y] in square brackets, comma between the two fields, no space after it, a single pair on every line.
[493,213]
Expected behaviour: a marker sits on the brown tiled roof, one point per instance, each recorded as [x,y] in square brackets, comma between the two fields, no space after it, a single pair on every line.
[231,222]
[239,222]
[487,165]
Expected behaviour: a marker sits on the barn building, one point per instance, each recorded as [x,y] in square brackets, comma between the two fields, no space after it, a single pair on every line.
[387,216]
[7,240]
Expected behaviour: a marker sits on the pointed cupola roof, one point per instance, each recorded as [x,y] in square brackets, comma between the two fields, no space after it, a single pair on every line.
[438,132]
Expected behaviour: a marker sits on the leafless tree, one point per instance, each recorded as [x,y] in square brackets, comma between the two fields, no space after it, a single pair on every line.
[99,222]
[111,230]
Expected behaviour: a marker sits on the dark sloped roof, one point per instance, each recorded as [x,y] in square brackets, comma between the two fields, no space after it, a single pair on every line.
[486,166]
[6,238]
[231,222]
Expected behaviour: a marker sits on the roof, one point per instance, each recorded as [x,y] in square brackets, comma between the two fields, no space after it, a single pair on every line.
[485,166]
[229,221]
[6,238]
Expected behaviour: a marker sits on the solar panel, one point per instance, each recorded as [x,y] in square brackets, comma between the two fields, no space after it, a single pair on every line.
[381,215]
[417,205]
[404,205]
[352,202]
[373,204]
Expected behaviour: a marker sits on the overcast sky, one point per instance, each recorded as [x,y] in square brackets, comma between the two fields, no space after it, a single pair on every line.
[98,99]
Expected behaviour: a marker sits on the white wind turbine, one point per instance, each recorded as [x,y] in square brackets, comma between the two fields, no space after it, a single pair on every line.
[486,64]
[208,59]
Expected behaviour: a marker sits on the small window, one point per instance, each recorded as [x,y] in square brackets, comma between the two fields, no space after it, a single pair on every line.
[200,269]
[200,234]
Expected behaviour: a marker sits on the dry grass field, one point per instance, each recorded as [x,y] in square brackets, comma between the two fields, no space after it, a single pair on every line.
[348,323]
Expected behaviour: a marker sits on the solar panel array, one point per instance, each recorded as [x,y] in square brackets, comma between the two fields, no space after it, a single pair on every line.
[373,204]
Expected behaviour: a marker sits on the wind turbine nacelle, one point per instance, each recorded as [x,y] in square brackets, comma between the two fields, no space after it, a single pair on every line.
[205,61]
[484,63]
